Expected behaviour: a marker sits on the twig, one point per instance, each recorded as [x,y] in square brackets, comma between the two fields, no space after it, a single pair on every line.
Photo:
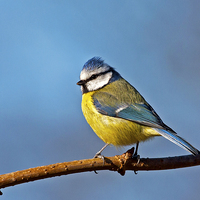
[120,163]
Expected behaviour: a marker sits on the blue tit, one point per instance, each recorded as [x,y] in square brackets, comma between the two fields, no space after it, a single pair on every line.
[117,112]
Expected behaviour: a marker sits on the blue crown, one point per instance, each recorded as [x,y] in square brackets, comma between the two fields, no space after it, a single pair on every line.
[94,62]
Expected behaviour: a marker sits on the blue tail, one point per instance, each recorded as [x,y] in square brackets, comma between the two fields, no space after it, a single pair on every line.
[173,137]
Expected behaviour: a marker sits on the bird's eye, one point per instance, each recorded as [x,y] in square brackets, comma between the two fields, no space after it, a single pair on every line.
[93,76]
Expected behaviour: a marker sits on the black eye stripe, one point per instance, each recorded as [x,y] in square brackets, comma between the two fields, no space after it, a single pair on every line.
[96,75]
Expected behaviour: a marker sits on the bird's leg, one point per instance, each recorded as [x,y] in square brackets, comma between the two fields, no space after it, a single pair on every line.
[136,149]
[136,153]
[98,154]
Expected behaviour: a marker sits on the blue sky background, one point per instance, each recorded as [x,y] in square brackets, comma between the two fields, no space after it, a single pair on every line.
[155,45]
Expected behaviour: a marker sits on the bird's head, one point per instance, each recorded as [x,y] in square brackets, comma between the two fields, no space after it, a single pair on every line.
[96,74]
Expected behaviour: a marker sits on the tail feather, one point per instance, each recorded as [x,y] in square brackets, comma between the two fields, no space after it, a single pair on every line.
[173,137]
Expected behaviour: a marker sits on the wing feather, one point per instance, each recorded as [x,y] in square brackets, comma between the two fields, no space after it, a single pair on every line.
[140,113]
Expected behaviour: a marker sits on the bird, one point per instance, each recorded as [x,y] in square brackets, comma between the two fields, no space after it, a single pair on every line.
[117,112]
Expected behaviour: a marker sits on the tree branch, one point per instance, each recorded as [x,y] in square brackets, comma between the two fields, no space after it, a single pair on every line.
[117,163]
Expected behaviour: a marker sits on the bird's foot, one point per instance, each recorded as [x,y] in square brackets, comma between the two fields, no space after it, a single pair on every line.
[137,157]
[98,155]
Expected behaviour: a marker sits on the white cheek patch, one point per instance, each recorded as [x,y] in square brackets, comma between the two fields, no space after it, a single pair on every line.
[82,89]
[99,82]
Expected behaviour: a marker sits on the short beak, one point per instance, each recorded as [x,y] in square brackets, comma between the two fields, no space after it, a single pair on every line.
[80,82]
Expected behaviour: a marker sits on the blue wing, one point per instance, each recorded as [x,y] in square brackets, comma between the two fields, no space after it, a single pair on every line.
[141,113]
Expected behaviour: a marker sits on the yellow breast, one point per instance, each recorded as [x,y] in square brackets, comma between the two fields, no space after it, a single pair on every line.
[113,130]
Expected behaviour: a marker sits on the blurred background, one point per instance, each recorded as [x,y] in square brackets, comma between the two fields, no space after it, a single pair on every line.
[155,45]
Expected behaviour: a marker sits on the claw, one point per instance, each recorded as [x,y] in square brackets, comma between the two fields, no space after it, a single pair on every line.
[98,155]
[99,152]
[136,157]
